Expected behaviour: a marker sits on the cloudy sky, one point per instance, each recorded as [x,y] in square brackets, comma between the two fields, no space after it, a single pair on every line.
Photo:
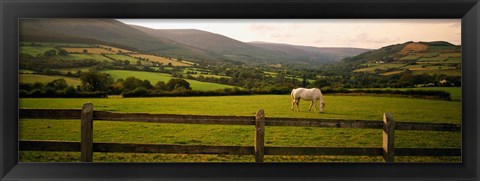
[367,33]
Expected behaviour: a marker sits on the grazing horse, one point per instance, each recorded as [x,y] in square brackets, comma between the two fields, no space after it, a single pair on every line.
[309,95]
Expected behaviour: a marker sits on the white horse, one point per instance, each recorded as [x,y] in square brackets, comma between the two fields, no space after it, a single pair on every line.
[313,95]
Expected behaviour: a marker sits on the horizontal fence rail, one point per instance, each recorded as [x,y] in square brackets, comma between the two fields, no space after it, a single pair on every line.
[86,146]
[70,146]
[231,120]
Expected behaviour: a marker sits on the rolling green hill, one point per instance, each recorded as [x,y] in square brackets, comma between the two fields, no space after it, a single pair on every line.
[108,32]
[314,55]
[252,53]
[155,77]
[419,57]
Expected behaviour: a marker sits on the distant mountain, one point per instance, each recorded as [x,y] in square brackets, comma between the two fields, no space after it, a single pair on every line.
[227,47]
[189,44]
[311,54]
[106,31]
[256,52]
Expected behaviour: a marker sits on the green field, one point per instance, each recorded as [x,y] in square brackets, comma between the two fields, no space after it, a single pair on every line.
[32,78]
[55,44]
[34,50]
[384,66]
[455,92]
[88,56]
[132,60]
[155,77]
[347,107]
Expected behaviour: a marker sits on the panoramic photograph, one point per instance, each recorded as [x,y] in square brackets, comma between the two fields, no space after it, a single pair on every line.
[240,90]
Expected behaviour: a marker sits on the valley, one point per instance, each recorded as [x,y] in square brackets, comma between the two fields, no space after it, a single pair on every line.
[122,68]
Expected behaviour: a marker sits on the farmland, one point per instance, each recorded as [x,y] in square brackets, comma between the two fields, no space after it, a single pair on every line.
[346,107]
[122,58]
[155,77]
[124,68]
[158,59]
[89,50]
[32,78]
[455,92]
[419,58]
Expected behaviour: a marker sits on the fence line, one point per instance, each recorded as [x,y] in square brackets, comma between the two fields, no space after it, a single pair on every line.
[86,146]
[231,120]
[72,146]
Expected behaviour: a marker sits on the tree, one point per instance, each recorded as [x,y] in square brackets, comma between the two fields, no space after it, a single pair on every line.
[62,51]
[58,84]
[50,53]
[176,83]
[131,83]
[95,81]
[146,84]
[161,85]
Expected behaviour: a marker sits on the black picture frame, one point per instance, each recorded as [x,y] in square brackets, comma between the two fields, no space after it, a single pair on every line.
[467,10]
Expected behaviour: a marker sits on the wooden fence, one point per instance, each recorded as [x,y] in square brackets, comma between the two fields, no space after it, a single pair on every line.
[86,146]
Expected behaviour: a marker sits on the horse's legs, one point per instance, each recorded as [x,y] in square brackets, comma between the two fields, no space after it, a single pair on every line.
[315,105]
[309,108]
[293,103]
[298,107]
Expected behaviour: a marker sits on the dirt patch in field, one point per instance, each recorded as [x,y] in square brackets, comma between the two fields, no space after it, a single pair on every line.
[413,48]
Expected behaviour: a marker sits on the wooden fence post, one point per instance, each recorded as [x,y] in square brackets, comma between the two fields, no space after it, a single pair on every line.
[86,145]
[388,137]
[259,135]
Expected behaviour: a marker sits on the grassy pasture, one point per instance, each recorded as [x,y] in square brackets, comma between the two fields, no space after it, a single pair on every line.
[455,92]
[81,56]
[56,44]
[392,73]
[342,107]
[89,50]
[114,49]
[155,77]
[25,71]
[32,78]
[384,66]
[350,107]
[411,57]
[34,50]
[132,60]
[449,72]
[433,59]
[73,70]
[163,60]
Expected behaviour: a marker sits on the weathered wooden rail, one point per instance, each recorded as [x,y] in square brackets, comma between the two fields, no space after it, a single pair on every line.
[86,146]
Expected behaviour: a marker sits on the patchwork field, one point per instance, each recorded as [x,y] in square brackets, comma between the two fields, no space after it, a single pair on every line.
[163,60]
[350,107]
[34,50]
[89,50]
[155,77]
[123,58]
[32,78]
[114,49]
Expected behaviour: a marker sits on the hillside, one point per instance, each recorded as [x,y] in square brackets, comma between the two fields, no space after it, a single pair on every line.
[109,32]
[418,57]
[227,47]
[269,53]
[309,53]
[186,44]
